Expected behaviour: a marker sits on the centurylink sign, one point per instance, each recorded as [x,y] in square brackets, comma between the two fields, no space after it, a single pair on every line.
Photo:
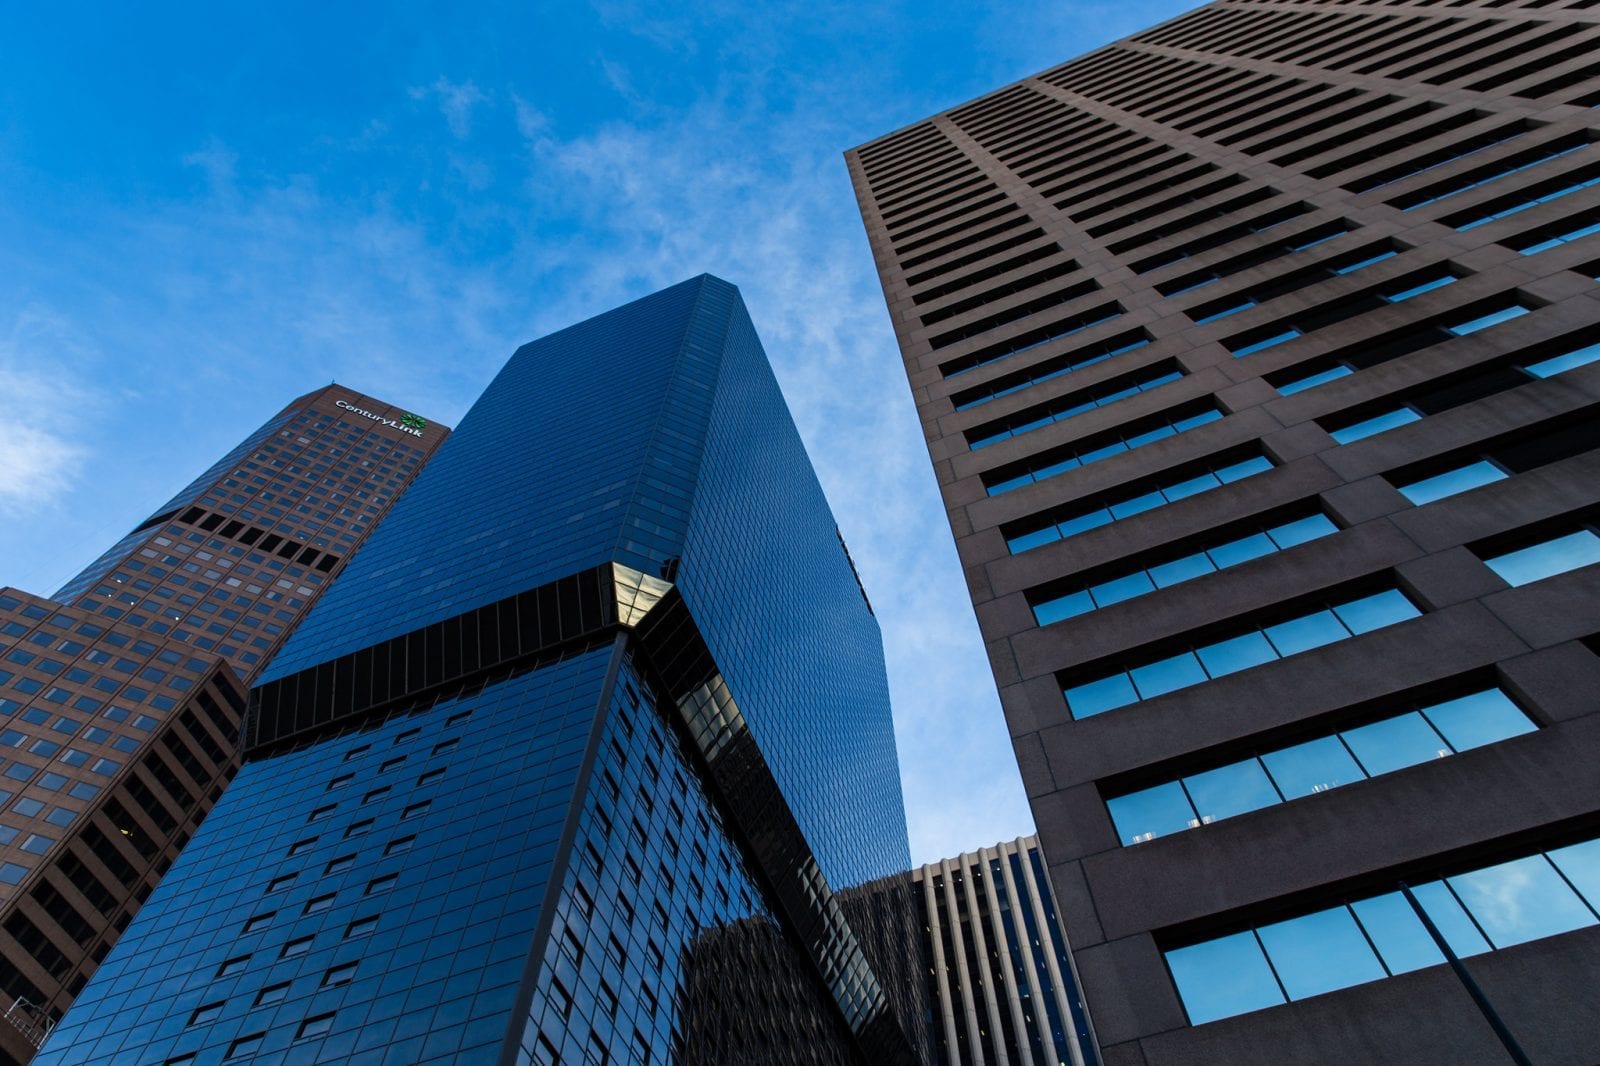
[412,424]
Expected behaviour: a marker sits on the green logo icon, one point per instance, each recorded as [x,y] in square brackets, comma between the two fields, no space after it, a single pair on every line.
[413,421]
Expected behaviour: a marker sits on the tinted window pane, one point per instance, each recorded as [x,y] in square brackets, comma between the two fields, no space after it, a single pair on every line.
[1033,540]
[1375,612]
[1451,482]
[1521,900]
[1191,486]
[1303,634]
[1230,790]
[1154,812]
[1101,695]
[1551,367]
[1320,952]
[1223,977]
[1394,927]
[1180,671]
[1190,566]
[1138,503]
[1122,588]
[1084,522]
[1063,607]
[1581,864]
[1315,766]
[1459,932]
[1292,387]
[1481,718]
[1240,653]
[1395,743]
[1373,426]
[1309,528]
[1245,548]
[1552,557]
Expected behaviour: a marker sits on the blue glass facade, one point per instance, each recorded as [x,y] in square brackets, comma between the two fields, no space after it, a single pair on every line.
[644,735]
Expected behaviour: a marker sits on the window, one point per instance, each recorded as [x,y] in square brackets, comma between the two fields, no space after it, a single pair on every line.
[1099,447]
[339,975]
[295,947]
[1126,586]
[259,922]
[207,1013]
[318,904]
[278,884]
[1071,406]
[1477,910]
[1257,645]
[1124,507]
[361,927]
[1546,559]
[1451,482]
[233,966]
[245,1045]
[316,1026]
[1288,772]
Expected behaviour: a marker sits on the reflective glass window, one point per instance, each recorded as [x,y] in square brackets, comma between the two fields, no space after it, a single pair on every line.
[1179,570]
[1301,530]
[1395,743]
[1314,766]
[1402,941]
[1581,864]
[1545,560]
[1306,632]
[1223,977]
[1445,910]
[1240,653]
[1103,695]
[1451,482]
[1376,611]
[1242,550]
[1320,952]
[1521,900]
[1230,790]
[1122,588]
[1167,675]
[1153,812]
[1062,607]
[1549,368]
[1289,388]
[1478,719]
[1371,427]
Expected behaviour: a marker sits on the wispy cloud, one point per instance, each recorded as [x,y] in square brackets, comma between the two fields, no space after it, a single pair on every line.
[41,451]
[456,100]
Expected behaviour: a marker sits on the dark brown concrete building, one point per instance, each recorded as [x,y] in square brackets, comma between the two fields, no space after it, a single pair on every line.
[1258,358]
[121,697]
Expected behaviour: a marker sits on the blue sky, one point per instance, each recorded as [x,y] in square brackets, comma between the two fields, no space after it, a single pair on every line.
[208,209]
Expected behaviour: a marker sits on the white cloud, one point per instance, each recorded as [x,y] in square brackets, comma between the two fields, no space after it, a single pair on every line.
[456,100]
[40,453]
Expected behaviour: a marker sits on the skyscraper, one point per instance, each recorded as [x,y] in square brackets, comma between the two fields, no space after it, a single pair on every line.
[121,696]
[1000,976]
[577,761]
[1255,355]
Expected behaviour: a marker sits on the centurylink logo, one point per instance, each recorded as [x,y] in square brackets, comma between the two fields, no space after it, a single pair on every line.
[412,424]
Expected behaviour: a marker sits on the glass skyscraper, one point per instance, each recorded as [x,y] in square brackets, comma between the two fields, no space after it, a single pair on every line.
[568,765]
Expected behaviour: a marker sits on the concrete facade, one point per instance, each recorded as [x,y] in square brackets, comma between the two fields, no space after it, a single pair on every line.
[1244,197]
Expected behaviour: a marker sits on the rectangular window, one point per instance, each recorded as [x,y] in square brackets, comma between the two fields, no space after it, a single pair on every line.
[1546,558]
[1337,758]
[1481,909]
[1059,461]
[1023,539]
[1133,583]
[1252,647]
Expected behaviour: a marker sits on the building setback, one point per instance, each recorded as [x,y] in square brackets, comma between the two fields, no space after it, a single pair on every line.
[999,973]
[570,762]
[1258,359]
[121,696]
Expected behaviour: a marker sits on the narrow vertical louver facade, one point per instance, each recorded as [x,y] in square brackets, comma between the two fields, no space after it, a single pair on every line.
[1000,979]
[1256,356]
